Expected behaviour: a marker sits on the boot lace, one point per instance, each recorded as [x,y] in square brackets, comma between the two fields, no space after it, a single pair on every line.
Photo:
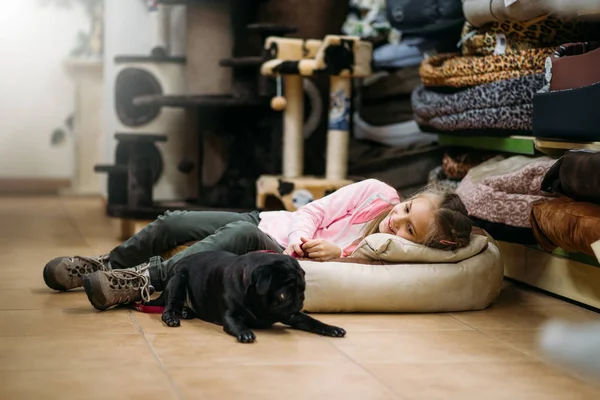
[132,279]
[88,265]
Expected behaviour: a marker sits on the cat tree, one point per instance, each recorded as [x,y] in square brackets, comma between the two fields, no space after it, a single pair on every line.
[290,60]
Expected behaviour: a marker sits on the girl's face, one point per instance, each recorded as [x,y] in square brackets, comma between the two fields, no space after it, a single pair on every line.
[410,220]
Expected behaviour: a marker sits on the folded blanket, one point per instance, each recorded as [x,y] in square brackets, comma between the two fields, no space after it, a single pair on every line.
[573,226]
[511,36]
[505,105]
[385,97]
[382,85]
[388,112]
[481,12]
[451,69]
[575,175]
[407,53]
[403,135]
[506,198]
[431,18]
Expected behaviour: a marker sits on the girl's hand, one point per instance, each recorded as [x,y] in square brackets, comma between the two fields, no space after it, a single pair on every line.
[320,249]
[294,248]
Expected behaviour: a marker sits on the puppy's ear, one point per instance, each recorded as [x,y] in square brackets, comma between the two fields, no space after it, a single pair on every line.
[263,283]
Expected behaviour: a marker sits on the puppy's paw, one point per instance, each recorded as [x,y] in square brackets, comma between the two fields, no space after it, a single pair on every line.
[187,313]
[171,320]
[246,337]
[331,331]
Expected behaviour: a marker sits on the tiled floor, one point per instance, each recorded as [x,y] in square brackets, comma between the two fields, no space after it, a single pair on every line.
[55,346]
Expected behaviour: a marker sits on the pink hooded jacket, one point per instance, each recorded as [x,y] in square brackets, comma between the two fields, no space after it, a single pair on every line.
[337,218]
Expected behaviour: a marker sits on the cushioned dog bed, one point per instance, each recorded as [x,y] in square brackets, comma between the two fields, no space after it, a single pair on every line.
[389,274]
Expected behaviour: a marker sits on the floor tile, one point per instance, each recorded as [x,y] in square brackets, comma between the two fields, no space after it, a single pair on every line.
[524,340]
[524,316]
[43,299]
[141,383]
[275,346]
[56,346]
[75,352]
[152,324]
[426,347]
[392,322]
[14,277]
[64,322]
[490,381]
[346,381]
[520,294]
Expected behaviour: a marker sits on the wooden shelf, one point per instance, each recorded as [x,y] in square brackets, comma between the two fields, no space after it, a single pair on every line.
[557,273]
[556,148]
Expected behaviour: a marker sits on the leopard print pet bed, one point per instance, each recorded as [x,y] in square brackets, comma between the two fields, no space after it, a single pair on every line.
[503,105]
[454,70]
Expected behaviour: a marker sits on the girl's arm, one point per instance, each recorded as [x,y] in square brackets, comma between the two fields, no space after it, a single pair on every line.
[324,211]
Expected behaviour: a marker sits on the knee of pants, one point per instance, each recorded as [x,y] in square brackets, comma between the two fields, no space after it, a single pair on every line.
[167,223]
[246,232]
[244,228]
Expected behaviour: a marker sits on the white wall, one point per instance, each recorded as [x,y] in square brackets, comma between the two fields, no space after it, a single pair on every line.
[36,92]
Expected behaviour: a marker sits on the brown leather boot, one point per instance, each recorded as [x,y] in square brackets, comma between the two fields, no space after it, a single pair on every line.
[105,289]
[64,273]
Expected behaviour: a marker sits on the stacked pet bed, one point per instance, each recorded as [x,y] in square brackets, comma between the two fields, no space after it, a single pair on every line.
[571,90]
[482,12]
[571,222]
[504,190]
[488,88]
[500,193]
[498,107]
[389,274]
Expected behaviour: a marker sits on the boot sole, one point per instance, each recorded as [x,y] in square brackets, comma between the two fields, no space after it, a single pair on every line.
[88,286]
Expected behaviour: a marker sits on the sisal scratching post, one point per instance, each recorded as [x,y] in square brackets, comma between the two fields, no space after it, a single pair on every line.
[293,118]
[339,128]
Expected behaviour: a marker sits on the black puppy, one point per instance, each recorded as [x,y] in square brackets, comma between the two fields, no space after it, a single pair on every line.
[253,290]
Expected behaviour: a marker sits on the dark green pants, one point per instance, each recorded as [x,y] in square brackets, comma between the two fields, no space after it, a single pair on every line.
[214,230]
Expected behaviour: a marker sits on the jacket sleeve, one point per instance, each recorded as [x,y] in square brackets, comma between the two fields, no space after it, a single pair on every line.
[326,210]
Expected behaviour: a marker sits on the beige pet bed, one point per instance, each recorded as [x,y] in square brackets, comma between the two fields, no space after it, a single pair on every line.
[389,274]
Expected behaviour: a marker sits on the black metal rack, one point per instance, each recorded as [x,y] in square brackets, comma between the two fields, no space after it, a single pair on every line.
[246,109]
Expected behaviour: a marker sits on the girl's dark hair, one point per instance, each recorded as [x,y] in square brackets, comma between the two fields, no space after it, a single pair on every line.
[451,226]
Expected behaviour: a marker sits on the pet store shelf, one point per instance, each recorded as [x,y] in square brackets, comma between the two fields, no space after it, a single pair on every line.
[511,144]
[572,276]
[199,100]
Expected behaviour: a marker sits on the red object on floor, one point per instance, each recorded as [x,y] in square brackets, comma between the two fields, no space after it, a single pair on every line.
[159,309]
[147,309]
